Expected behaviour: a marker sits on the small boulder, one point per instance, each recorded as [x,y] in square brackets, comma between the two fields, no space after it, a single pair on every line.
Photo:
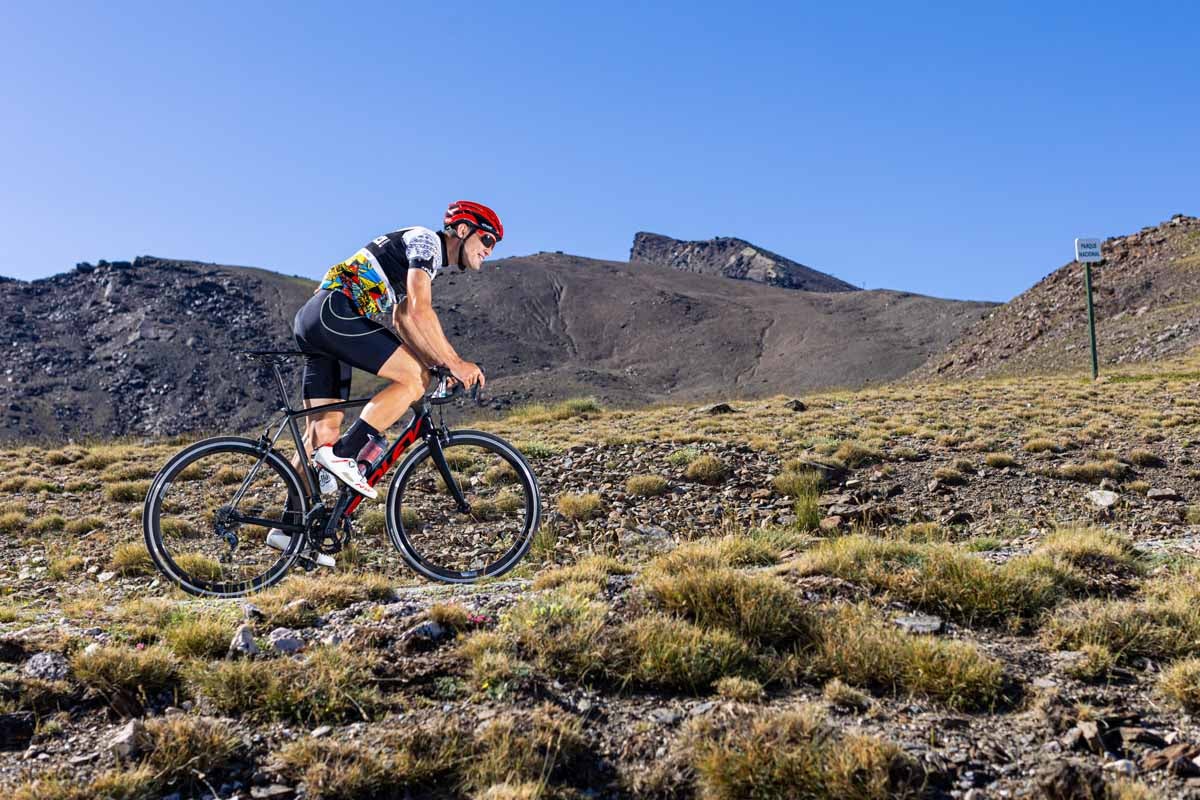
[424,636]
[1163,494]
[720,408]
[286,640]
[1102,499]
[831,523]
[795,405]
[130,741]
[243,643]
[47,667]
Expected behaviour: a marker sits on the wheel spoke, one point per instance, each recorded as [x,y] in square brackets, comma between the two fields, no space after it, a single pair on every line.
[444,543]
[210,515]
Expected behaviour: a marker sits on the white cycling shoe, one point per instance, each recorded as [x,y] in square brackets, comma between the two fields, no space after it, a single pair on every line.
[280,541]
[344,469]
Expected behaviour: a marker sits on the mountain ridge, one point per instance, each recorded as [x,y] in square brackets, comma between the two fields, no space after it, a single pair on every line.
[146,346]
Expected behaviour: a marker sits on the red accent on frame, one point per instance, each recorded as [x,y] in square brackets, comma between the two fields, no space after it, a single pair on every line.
[393,455]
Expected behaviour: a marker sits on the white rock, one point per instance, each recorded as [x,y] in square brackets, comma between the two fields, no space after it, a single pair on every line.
[1103,499]
[243,643]
[285,640]
[128,741]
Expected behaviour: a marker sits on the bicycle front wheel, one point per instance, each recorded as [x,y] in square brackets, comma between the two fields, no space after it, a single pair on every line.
[433,533]
[210,511]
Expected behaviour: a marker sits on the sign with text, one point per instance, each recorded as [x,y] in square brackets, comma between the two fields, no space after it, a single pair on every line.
[1087,251]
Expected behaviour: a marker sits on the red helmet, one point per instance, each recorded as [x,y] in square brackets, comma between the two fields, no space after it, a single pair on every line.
[476,215]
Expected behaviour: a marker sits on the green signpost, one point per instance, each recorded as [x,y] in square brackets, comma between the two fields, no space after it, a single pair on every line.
[1087,251]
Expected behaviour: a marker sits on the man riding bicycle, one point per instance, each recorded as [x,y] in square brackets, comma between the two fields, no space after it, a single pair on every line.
[344,325]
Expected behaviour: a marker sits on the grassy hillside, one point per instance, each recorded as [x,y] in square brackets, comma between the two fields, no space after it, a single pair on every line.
[719,605]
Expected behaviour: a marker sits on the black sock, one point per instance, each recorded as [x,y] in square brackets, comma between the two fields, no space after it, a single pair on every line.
[353,440]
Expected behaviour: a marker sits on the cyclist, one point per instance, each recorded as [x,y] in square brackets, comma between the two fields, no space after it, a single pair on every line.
[345,324]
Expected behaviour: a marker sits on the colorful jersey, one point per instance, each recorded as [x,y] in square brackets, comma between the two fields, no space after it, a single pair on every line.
[376,277]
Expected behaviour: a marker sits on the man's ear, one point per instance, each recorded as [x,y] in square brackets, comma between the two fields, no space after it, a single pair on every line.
[462,230]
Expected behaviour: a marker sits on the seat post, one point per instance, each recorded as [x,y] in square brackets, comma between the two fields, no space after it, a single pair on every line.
[282,389]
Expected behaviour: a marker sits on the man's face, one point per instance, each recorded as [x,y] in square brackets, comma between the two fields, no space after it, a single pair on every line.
[476,247]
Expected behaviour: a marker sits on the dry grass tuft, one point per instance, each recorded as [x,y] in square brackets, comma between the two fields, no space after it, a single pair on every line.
[13,521]
[1043,445]
[580,507]
[1161,624]
[323,593]
[127,491]
[949,476]
[857,454]
[82,525]
[840,694]
[1180,684]
[760,608]
[560,633]
[1094,471]
[1096,664]
[330,684]
[132,559]
[1145,458]
[999,460]
[525,748]
[388,768]
[1094,551]
[647,485]
[726,551]
[125,676]
[181,745]
[797,754]
[946,581]
[706,469]
[742,690]
[862,649]
[670,653]
[591,571]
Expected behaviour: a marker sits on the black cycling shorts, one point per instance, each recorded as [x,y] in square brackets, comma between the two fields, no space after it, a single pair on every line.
[334,338]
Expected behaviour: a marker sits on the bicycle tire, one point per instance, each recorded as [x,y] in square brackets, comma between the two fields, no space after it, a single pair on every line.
[194,525]
[522,522]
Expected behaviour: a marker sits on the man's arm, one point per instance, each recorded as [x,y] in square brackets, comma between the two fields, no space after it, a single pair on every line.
[419,327]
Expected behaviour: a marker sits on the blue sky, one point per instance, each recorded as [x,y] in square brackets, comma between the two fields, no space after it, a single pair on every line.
[947,150]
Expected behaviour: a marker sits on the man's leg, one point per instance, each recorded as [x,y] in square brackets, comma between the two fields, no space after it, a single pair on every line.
[319,429]
[409,380]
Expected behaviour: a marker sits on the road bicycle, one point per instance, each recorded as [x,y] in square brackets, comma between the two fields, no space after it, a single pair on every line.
[463,505]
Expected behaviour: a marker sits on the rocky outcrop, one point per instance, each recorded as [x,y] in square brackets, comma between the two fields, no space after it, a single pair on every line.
[732,258]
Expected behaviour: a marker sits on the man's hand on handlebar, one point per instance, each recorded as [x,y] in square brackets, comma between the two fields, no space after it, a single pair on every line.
[468,374]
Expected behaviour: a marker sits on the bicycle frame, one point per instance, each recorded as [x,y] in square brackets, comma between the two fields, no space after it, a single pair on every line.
[421,426]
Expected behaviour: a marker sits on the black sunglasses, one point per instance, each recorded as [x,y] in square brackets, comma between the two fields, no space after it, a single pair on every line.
[488,240]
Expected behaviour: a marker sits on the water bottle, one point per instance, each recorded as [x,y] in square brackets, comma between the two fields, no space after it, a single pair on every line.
[371,451]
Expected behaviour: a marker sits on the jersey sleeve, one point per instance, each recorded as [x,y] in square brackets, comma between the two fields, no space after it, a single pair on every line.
[423,250]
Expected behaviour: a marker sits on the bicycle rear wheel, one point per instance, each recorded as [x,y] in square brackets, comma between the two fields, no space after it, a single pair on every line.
[210,509]
[443,543]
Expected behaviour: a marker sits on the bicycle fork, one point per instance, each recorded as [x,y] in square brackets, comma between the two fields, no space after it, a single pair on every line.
[439,460]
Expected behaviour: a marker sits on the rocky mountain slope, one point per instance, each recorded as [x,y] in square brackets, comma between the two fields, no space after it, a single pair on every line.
[732,258]
[144,347]
[1146,295]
